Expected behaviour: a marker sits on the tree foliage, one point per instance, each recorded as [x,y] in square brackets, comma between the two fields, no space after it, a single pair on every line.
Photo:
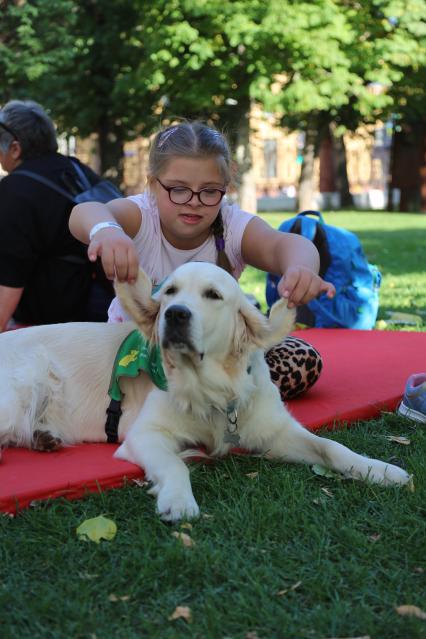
[118,68]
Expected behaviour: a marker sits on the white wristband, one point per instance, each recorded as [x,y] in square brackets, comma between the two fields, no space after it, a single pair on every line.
[103,225]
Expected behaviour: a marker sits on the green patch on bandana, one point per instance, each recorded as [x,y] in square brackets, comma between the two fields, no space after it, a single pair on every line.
[134,355]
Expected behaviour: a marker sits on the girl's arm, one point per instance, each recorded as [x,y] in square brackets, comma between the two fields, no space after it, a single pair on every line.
[113,245]
[290,255]
[9,300]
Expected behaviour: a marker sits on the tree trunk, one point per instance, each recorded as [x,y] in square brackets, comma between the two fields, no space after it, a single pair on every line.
[342,181]
[306,193]
[245,182]
[111,151]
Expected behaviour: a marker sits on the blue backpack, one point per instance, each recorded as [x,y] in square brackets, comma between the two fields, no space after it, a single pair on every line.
[342,262]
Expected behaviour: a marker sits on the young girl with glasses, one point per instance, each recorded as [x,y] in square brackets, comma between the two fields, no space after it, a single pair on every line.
[183,216]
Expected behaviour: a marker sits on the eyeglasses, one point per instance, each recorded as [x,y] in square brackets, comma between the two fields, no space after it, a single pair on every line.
[183,194]
[9,130]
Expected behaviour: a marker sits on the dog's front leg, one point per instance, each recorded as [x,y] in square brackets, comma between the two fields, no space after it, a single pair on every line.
[290,441]
[157,453]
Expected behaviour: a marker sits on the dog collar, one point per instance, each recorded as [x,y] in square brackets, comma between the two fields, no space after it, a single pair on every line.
[231,435]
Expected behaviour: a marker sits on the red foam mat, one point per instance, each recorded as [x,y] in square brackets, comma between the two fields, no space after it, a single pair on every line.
[364,373]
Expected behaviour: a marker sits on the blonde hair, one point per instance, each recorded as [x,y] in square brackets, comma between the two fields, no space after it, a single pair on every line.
[194,140]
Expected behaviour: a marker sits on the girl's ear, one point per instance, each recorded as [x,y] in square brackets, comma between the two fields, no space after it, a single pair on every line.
[137,302]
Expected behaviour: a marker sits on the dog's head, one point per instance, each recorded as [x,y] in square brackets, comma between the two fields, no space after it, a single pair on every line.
[200,310]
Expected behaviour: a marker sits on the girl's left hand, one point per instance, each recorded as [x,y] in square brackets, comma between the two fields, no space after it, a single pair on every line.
[300,285]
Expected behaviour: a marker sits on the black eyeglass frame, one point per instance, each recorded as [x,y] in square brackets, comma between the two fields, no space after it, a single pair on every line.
[169,189]
[9,130]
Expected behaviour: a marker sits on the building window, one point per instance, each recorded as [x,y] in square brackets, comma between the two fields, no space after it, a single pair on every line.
[270,158]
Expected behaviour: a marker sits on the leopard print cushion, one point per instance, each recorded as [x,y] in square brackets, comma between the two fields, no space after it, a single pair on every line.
[294,366]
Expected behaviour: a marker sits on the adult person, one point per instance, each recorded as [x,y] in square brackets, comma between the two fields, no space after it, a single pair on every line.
[45,275]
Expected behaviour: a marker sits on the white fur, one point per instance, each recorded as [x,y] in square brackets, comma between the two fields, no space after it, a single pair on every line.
[55,378]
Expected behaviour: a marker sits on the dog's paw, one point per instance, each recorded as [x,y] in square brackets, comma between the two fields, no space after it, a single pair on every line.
[388,475]
[173,506]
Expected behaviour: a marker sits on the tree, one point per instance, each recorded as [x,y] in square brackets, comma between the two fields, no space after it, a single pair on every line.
[35,40]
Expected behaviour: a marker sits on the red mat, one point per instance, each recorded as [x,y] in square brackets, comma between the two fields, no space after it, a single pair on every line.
[364,373]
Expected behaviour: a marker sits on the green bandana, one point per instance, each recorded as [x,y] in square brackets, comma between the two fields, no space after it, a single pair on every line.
[134,355]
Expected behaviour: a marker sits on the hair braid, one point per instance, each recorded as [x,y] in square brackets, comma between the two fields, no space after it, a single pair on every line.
[218,232]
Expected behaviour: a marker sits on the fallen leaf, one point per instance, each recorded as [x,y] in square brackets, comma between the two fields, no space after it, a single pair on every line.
[374,537]
[181,612]
[87,575]
[96,529]
[399,439]
[186,525]
[280,593]
[418,569]
[411,611]
[114,598]
[206,516]
[381,325]
[324,472]
[252,475]
[140,482]
[327,492]
[410,485]
[252,635]
[184,538]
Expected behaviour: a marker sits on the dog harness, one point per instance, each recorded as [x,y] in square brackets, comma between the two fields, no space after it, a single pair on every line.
[137,354]
[134,355]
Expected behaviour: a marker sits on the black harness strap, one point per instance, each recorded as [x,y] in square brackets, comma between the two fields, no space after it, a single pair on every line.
[114,413]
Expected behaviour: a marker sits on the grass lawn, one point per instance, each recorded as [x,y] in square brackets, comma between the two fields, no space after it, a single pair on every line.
[279,551]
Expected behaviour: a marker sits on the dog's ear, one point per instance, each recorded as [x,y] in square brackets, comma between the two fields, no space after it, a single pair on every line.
[137,302]
[251,329]
[256,329]
[281,322]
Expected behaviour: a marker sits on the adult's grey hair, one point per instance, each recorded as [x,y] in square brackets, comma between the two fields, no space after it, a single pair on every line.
[27,122]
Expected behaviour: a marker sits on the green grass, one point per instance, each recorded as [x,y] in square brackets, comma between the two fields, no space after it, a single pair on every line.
[355,551]
[395,242]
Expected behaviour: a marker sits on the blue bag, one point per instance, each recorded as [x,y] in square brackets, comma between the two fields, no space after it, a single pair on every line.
[342,262]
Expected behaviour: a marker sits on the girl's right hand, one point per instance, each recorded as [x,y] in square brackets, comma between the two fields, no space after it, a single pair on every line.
[117,252]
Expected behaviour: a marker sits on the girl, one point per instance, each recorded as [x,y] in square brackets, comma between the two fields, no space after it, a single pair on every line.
[183,216]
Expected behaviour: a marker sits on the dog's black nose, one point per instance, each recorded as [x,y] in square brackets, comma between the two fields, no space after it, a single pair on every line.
[178,314]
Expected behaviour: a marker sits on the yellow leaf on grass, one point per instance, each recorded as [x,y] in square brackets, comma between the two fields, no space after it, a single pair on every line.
[411,611]
[96,529]
[184,538]
[181,612]
[399,439]
[114,598]
[252,475]
[280,593]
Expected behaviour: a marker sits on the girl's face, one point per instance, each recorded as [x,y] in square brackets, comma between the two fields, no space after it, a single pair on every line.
[187,226]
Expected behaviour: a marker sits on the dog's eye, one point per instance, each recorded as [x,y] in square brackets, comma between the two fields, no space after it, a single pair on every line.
[170,290]
[211,294]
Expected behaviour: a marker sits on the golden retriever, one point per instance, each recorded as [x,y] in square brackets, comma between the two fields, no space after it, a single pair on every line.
[54,382]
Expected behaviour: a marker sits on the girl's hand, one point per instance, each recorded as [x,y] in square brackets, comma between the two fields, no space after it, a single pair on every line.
[117,252]
[300,285]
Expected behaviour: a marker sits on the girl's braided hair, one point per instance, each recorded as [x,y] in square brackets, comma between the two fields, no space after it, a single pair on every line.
[195,140]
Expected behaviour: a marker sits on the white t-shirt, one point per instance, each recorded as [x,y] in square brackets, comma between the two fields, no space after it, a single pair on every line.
[159,258]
